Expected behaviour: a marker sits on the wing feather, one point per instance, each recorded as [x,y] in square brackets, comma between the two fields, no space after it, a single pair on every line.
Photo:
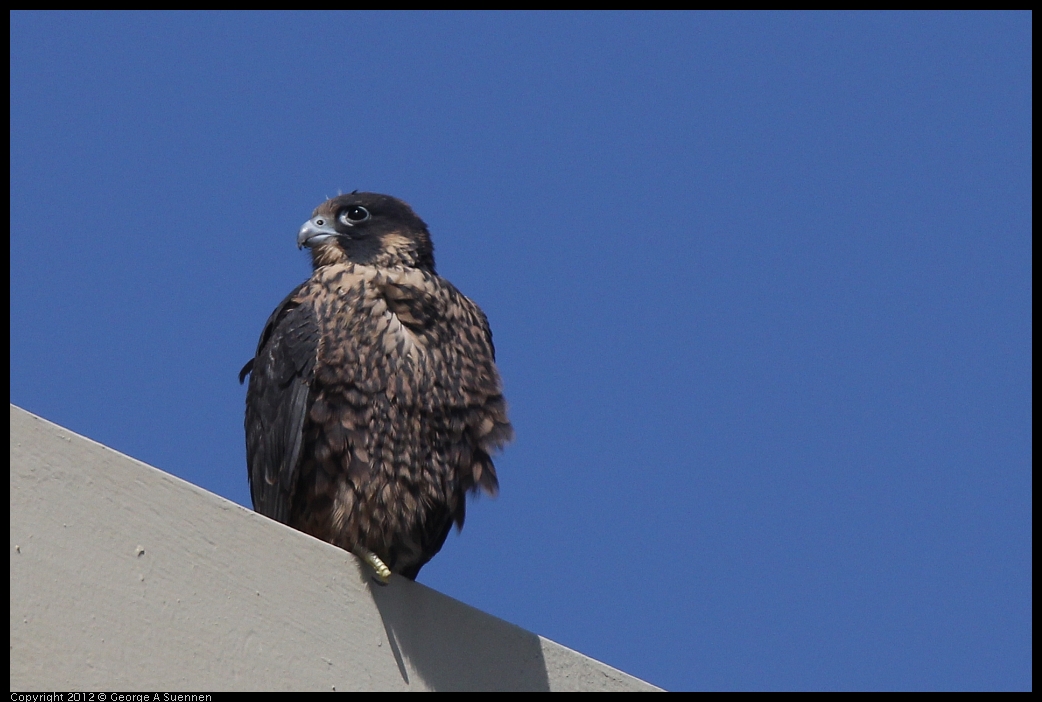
[277,403]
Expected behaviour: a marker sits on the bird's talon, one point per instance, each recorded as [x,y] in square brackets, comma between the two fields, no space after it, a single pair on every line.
[382,572]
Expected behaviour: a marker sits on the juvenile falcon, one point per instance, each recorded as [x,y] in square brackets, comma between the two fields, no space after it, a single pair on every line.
[374,402]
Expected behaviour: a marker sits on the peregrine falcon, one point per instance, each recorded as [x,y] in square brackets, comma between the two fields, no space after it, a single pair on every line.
[374,403]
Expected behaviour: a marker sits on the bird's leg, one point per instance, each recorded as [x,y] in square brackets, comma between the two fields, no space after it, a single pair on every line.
[383,573]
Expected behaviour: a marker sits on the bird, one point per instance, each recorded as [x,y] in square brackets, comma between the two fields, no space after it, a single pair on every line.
[374,403]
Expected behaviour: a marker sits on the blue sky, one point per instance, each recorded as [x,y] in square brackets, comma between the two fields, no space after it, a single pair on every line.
[759,283]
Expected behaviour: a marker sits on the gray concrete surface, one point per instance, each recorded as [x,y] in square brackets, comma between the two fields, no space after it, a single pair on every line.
[124,577]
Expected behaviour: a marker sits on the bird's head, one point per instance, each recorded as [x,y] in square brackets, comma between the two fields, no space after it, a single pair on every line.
[369,229]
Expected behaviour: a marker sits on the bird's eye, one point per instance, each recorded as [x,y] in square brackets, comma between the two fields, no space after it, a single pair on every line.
[354,214]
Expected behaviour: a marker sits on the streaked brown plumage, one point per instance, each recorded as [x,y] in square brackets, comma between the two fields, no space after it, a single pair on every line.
[374,401]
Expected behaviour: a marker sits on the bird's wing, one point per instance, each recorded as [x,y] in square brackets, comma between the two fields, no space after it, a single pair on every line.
[481,387]
[277,403]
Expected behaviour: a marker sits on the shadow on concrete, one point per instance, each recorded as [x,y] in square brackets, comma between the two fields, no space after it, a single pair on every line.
[491,655]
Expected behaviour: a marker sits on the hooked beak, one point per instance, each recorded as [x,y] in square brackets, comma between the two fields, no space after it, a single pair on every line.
[315,231]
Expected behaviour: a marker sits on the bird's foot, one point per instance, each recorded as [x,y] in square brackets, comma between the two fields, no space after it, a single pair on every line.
[383,573]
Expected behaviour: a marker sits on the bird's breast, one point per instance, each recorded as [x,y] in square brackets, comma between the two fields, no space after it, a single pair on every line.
[381,329]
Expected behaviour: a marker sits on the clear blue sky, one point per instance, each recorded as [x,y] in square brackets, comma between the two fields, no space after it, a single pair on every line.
[760,287]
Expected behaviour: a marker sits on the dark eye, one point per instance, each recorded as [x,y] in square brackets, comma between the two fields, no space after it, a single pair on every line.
[354,214]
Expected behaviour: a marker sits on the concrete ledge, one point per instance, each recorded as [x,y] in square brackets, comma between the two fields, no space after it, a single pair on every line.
[126,578]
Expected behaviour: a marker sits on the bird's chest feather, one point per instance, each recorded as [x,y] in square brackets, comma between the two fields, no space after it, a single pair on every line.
[383,428]
[381,331]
